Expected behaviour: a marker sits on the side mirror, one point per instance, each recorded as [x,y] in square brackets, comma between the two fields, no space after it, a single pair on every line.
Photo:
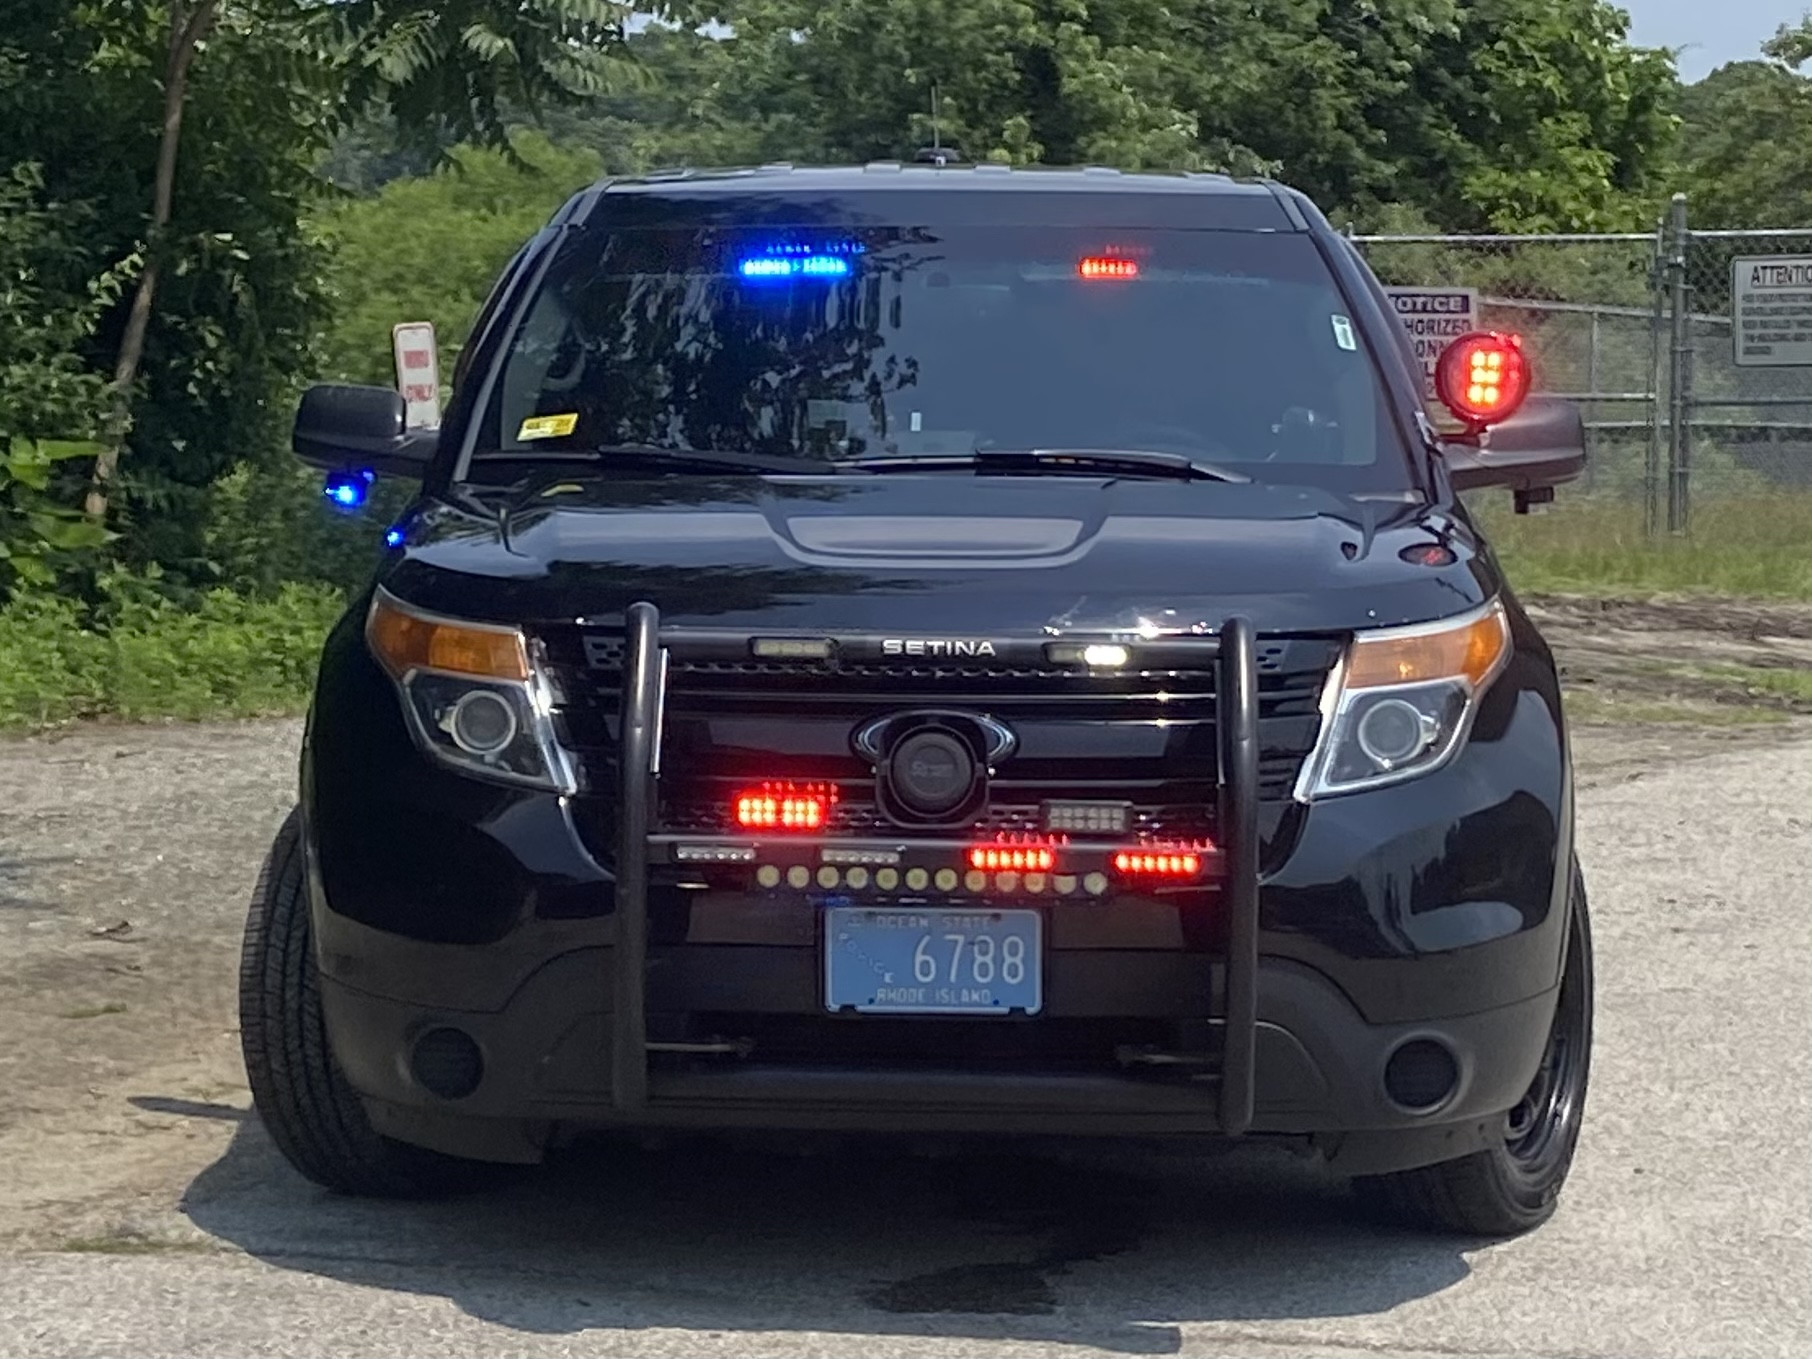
[1529,444]
[1541,446]
[360,429]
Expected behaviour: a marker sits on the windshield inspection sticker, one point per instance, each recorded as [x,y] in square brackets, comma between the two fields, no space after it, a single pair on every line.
[548,426]
[1343,334]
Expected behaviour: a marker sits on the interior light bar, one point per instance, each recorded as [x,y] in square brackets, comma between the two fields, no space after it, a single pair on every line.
[794,266]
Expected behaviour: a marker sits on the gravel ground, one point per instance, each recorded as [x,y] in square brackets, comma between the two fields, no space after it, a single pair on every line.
[142,1210]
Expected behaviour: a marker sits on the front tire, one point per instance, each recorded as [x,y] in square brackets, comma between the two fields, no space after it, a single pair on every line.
[1514,1186]
[303,1099]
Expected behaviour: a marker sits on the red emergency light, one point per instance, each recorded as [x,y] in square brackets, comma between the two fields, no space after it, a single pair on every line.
[1483,377]
[1176,860]
[1013,858]
[1107,266]
[1161,864]
[784,806]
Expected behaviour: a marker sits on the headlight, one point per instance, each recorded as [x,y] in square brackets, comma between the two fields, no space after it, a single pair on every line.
[1403,701]
[473,699]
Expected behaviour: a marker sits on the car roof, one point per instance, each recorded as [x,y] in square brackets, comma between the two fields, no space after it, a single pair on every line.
[1093,195]
[984,177]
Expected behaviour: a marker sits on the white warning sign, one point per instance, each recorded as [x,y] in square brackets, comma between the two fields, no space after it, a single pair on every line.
[417,372]
[1771,311]
[1436,317]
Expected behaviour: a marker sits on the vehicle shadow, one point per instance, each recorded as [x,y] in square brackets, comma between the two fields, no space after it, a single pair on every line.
[1108,1247]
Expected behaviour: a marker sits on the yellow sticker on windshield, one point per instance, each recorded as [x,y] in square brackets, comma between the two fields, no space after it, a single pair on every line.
[548,426]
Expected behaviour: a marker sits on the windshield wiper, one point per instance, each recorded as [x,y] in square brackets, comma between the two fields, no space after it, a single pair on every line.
[669,459]
[1132,461]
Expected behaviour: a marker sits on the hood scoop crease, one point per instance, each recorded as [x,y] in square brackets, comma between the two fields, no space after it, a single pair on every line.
[924,536]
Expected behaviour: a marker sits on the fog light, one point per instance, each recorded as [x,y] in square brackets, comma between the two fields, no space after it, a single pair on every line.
[446,1062]
[1420,1075]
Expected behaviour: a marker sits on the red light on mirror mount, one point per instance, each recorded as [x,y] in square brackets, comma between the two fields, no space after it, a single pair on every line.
[1483,377]
[1107,266]
[784,806]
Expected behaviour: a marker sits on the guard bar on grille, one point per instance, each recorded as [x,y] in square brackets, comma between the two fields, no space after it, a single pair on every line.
[646,649]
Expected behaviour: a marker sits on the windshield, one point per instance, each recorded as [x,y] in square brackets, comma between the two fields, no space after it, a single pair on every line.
[1233,347]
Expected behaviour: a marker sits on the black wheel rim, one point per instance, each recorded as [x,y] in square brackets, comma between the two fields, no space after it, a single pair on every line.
[1542,1128]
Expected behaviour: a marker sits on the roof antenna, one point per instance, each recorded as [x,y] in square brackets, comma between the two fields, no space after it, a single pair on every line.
[937,153]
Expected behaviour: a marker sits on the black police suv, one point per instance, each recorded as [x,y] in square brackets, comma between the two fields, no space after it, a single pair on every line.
[937,650]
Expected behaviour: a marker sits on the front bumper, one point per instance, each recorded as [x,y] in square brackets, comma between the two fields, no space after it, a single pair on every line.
[546,1048]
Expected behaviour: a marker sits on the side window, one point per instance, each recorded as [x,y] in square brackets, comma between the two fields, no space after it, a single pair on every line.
[1405,345]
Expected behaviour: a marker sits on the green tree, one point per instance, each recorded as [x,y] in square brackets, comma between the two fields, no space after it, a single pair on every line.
[47,394]
[675,112]
[1524,114]
[429,249]
[1742,153]
[432,63]
[1015,80]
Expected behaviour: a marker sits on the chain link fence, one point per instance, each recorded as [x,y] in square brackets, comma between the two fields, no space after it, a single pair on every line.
[1693,372]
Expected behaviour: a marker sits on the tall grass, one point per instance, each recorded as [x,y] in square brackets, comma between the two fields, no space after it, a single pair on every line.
[1756,548]
[145,657]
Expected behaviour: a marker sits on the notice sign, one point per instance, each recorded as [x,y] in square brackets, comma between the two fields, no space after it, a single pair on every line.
[1771,311]
[417,373]
[1436,317]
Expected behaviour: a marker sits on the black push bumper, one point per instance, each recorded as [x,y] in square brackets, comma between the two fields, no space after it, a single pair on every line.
[644,679]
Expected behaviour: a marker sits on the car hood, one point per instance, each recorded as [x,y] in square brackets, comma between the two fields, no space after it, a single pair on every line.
[940,553]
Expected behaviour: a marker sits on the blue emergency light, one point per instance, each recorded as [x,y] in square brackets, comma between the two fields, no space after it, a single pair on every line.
[784,260]
[348,490]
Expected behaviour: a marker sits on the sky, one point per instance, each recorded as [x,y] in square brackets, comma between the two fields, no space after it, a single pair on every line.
[1711,32]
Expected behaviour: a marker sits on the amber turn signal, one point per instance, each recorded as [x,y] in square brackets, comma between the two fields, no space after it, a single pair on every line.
[1471,648]
[404,640]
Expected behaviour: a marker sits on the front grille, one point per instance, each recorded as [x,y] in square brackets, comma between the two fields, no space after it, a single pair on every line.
[1146,737]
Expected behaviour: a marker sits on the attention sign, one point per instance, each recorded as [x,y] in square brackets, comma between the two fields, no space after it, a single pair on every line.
[1435,317]
[1771,311]
[417,373]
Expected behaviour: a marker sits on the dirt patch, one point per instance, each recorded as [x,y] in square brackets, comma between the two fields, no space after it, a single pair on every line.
[1716,666]
[1756,620]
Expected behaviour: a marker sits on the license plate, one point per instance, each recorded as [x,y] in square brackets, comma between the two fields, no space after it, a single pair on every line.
[934,962]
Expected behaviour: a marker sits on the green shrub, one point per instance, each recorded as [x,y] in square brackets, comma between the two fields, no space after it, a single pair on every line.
[52,667]
[139,656]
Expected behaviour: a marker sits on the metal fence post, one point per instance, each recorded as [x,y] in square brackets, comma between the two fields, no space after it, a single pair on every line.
[1591,429]
[1679,414]
[1651,468]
